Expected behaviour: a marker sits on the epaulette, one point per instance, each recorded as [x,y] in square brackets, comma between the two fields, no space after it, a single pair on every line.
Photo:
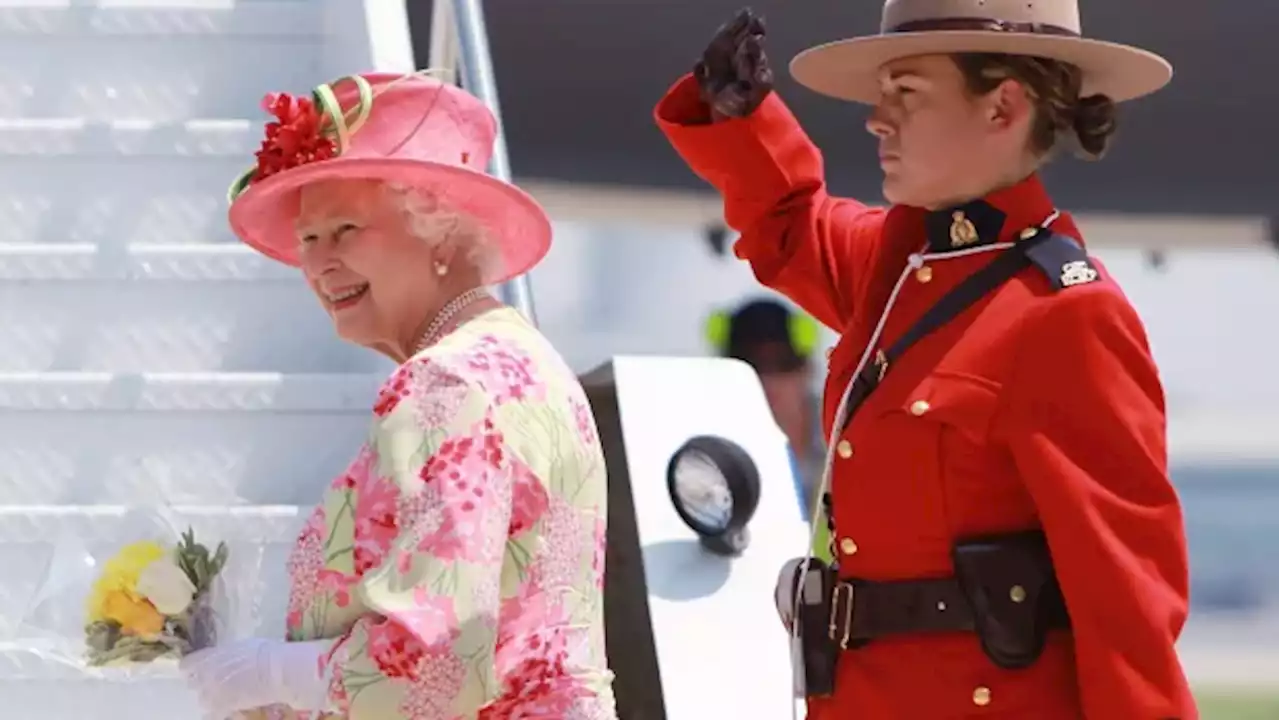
[1064,262]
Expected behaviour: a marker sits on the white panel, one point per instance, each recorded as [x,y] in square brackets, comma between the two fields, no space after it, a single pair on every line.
[721,650]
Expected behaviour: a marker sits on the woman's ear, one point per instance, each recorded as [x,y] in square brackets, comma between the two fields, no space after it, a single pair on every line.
[446,250]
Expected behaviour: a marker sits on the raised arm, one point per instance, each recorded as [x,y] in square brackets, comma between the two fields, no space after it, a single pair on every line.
[733,131]
[1086,428]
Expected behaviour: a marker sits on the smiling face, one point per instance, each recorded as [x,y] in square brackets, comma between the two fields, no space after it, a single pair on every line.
[371,274]
[940,144]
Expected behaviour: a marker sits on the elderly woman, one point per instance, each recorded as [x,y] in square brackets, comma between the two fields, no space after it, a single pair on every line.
[455,569]
[1007,541]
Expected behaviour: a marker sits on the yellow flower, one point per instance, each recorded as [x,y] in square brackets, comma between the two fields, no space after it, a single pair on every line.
[120,577]
[135,616]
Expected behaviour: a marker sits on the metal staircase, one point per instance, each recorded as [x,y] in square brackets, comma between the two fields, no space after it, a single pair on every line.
[146,357]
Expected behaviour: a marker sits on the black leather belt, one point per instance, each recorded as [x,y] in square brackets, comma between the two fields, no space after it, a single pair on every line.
[862,610]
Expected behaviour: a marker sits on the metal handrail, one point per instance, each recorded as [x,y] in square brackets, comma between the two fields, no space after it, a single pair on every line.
[460,40]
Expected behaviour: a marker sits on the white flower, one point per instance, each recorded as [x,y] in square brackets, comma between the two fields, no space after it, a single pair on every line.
[166,586]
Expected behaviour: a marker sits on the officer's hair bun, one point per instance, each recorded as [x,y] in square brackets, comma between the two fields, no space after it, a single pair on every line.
[1054,86]
[1094,122]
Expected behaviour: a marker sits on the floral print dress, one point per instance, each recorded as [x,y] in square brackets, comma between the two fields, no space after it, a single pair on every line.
[459,561]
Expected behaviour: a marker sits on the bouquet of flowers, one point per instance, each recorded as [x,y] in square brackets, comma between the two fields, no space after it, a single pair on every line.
[153,601]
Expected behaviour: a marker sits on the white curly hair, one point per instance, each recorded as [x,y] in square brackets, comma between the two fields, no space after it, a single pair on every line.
[430,220]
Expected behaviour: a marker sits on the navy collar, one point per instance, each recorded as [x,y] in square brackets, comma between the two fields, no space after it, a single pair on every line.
[999,217]
[973,224]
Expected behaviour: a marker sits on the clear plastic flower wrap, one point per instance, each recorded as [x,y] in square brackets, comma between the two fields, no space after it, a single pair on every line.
[154,600]
[148,593]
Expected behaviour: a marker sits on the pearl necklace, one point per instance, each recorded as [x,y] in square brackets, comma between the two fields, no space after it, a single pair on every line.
[447,313]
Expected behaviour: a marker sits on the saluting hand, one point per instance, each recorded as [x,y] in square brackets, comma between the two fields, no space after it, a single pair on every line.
[734,73]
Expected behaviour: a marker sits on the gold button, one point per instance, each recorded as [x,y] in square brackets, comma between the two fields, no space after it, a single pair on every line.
[982,696]
[1017,593]
[919,407]
[924,274]
[1028,233]
[848,546]
[844,449]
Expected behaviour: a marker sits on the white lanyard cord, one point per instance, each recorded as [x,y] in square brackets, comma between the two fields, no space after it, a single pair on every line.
[914,262]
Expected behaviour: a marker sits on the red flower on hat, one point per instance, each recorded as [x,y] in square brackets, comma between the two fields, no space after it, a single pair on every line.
[294,138]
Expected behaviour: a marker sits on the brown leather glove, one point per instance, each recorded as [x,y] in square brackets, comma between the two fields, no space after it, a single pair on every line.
[734,74]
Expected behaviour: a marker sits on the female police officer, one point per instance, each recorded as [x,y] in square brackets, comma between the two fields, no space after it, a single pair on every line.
[1008,542]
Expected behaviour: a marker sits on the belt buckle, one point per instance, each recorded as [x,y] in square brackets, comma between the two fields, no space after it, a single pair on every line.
[843,641]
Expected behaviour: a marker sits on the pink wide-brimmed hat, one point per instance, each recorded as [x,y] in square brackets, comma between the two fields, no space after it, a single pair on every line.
[411,130]
[849,69]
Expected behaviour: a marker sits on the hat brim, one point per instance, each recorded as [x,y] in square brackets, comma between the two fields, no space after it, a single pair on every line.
[263,215]
[848,69]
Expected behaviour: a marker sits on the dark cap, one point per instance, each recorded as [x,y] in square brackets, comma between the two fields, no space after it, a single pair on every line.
[766,334]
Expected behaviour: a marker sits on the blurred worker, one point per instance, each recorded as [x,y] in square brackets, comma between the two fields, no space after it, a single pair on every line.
[778,343]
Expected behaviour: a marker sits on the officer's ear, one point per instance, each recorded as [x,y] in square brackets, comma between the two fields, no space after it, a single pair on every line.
[1008,105]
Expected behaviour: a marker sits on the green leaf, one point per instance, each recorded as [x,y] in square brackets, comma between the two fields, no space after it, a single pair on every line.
[220,558]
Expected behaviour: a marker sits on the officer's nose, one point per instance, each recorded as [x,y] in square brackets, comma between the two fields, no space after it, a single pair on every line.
[878,123]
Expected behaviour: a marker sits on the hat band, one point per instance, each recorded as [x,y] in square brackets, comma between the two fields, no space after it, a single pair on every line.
[982,24]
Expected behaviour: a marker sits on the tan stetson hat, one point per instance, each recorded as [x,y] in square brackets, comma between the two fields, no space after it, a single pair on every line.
[847,69]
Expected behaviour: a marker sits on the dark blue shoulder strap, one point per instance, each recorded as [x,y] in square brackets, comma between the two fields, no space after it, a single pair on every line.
[1063,261]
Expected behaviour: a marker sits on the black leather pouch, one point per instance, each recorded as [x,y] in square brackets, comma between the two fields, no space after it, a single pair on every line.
[1011,587]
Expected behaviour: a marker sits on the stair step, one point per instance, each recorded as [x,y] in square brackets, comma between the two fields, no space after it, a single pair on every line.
[79,137]
[279,393]
[158,75]
[45,551]
[50,692]
[120,182]
[212,439]
[110,201]
[141,262]
[164,308]
[59,19]
[102,528]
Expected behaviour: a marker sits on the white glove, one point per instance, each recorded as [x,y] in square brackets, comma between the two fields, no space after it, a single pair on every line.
[254,673]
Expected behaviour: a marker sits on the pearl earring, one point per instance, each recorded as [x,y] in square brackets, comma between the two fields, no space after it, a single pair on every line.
[442,269]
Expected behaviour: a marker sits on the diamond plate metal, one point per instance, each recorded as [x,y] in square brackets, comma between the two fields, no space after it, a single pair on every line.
[154,77]
[77,136]
[58,694]
[263,18]
[116,201]
[146,321]
[30,342]
[214,440]
[84,261]
[285,394]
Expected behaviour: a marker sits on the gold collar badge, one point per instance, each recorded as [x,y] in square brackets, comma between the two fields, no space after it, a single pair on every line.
[962,230]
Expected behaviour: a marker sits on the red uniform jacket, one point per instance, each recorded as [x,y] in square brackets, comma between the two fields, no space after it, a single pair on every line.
[1040,406]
